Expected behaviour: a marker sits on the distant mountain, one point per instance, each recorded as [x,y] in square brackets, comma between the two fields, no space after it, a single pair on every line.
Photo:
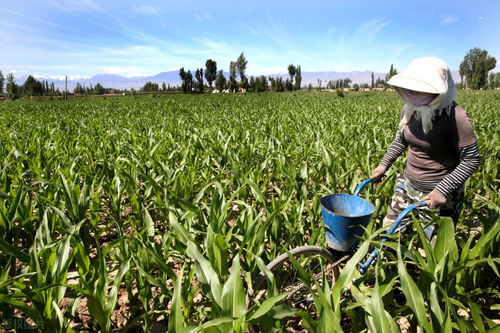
[324,77]
[172,78]
[167,77]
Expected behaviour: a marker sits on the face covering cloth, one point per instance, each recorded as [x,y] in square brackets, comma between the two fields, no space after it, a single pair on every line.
[424,75]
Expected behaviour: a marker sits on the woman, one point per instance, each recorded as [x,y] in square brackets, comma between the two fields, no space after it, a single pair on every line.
[438,134]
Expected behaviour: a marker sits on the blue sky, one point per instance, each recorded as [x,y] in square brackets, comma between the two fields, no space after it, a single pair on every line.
[86,37]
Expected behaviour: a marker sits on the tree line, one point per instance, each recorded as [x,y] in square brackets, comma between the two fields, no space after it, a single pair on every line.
[474,70]
[474,74]
[31,87]
[262,83]
[237,78]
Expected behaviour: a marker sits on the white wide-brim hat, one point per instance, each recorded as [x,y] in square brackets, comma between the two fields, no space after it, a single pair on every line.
[428,75]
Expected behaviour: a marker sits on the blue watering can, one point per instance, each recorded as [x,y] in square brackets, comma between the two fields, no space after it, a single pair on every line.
[345,217]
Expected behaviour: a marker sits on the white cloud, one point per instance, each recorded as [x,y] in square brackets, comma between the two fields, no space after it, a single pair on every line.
[76,5]
[449,19]
[60,77]
[202,17]
[369,29]
[274,34]
[400,49]
[127,71]
[214,47]
[18,72]
[35,19]
[148,10]
[88,4]
[267,70]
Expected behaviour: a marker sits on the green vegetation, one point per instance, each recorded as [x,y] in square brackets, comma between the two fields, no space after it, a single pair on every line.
[129,212]
[210,71]
[475,67]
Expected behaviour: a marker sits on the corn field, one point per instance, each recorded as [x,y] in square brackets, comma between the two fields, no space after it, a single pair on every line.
[156,213]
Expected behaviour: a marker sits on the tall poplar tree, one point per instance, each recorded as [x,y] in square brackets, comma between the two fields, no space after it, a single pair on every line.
[291,72]
[199,78]
[11,86]
[298,78]
[182,75]
[233,68]
[210,71]
[220,80]
[241,66]
[2,81]
[475,67]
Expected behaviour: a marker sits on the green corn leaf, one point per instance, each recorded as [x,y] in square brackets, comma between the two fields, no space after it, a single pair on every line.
[67,222]
[151,279]
[233,294]
[81,257]
[328,318]
[188,206]
[482,244]
[190,329]
[327,321]
[268,275]
[69,196]
[216,322]
[176,319]
[205,273]
[15,203]
[434,303]
[149,225]
[83,201]
[4,273]
[182,233]
[267,305]
[445,242]
[257,193]
[464,255]
[477,315]
[63,260]
[95,305]
[413,295]
[25,308]
[59,314]
[217,251]
[347,274]
[429,262]
[385,288]
[382,320]
[12,251]
[113,293]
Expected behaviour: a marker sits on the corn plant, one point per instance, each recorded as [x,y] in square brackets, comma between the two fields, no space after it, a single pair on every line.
[175,204]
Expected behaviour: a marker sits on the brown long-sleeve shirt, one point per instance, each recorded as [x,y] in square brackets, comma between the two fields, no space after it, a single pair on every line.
[442,159]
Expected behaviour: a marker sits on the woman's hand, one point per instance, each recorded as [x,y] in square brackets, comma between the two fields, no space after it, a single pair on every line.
[378,172]
[435,199]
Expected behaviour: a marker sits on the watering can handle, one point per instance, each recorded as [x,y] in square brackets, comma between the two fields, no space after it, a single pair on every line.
[360,186]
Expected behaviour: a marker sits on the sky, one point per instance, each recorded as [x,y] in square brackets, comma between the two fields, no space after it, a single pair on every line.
[80,38]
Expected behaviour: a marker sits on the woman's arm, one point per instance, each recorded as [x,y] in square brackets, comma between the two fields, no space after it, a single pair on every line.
[469,163]
[396,149]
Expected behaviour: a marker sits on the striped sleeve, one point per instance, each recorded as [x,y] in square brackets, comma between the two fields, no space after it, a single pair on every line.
[469,162]
[396,149]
